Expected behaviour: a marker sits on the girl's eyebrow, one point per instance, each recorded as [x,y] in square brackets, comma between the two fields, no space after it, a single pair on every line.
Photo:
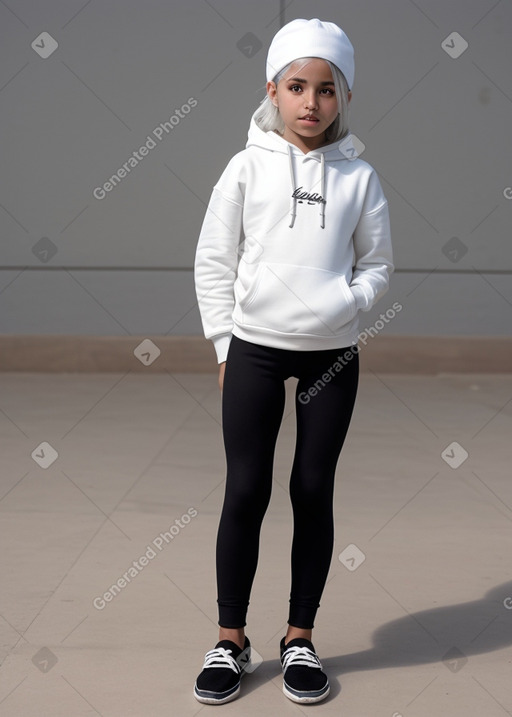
[300,79]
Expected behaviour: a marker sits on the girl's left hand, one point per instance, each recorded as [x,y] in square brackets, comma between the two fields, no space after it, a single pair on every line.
[222,369]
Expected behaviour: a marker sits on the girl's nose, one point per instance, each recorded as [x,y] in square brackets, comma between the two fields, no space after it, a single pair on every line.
[310,102]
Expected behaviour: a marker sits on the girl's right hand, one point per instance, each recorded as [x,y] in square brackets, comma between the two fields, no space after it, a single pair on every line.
[221,374]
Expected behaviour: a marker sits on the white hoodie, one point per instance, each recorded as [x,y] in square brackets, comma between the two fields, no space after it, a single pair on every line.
[292,246]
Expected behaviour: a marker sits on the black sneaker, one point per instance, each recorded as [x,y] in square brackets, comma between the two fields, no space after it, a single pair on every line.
[303,679]
[223,669]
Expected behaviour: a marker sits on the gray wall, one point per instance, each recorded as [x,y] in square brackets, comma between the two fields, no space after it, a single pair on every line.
[436,128]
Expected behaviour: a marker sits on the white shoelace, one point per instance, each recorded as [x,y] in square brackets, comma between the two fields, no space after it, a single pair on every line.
[300,656]
[220,657]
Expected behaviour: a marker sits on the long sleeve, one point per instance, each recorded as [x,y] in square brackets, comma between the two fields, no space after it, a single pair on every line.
[216,262]
[373,250]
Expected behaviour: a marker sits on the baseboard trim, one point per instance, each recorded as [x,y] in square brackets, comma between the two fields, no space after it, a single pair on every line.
[194,354]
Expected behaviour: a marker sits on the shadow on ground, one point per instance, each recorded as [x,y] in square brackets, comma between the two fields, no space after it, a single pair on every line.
[448,634]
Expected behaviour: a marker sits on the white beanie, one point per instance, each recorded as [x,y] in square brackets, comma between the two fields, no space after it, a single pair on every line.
[311,38]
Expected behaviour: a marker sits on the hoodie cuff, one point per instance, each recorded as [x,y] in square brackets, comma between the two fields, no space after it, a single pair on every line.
[359,296]
[221,345]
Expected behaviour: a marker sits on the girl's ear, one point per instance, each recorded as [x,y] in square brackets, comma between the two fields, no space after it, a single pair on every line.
[272,92]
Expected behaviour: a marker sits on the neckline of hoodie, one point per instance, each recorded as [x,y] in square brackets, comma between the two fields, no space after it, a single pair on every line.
[314,153]
[282,144]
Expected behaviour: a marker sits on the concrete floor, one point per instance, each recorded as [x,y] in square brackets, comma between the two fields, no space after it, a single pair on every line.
[421,627]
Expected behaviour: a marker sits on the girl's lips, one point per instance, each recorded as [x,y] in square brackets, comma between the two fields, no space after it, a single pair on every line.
[311,120]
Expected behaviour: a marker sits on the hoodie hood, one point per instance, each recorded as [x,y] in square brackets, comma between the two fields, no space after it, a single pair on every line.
[339,151]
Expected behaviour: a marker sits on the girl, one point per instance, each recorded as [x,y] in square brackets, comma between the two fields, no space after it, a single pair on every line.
[295,242]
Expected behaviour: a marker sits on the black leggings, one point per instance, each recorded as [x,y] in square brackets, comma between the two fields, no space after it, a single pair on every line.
[252,408]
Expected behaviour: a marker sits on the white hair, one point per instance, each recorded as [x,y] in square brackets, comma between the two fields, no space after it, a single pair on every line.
[268,117]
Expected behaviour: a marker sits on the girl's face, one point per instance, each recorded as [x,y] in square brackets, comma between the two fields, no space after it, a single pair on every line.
[307,102]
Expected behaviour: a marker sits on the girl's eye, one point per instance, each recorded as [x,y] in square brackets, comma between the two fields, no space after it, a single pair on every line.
[329,91]
[295,87]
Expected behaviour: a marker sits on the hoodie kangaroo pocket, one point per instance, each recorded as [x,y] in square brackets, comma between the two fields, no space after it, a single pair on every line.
[298,300]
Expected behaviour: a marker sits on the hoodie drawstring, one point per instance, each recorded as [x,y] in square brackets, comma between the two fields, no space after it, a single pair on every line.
[293,208]
[322,187]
